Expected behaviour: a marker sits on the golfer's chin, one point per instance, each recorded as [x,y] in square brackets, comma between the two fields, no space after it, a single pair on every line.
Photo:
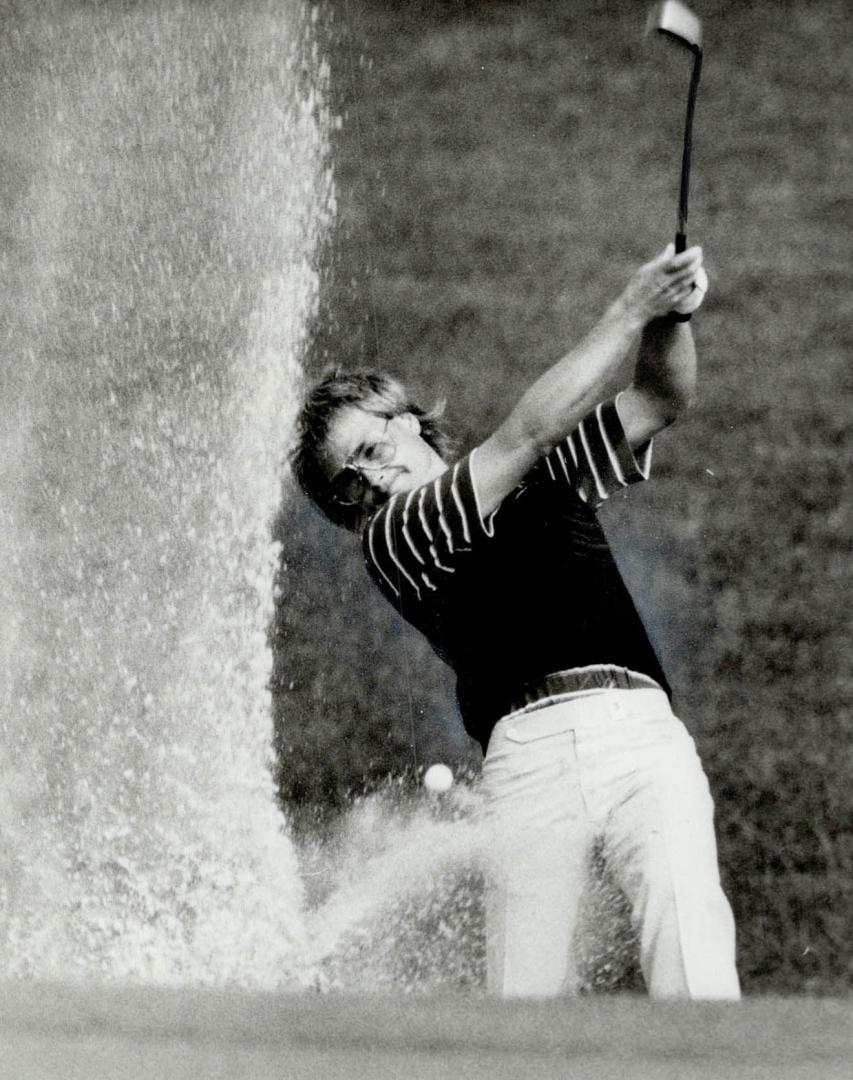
[402,482]
[409,479]
[406,480]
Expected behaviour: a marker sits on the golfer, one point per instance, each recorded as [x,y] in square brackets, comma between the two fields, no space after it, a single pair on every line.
[498,558]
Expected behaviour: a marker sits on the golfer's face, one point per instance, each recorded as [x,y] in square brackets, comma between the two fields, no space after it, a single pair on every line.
[383,455]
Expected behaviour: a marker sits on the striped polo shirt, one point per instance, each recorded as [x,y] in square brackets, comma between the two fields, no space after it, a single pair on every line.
[526,591]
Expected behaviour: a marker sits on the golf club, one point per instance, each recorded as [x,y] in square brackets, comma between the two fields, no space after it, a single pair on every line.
[678,23]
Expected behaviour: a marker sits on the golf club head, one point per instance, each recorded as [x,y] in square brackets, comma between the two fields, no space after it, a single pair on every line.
[677,21]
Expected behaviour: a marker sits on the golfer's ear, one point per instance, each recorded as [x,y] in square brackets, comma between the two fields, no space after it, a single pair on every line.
[411,421]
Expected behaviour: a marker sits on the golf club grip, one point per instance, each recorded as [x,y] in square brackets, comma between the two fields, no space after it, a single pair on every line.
[680,245]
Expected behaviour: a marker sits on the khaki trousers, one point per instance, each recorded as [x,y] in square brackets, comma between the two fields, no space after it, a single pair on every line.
[616,768]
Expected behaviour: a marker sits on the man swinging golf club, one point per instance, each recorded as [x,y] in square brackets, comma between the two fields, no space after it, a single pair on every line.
[499,559]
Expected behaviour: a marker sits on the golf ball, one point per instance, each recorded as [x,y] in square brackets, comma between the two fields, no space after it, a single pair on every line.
[438,779]
[697,294]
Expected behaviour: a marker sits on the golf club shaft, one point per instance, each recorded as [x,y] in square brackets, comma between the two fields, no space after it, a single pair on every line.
[681,233]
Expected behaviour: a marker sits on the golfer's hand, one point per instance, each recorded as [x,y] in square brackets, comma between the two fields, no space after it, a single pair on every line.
[662,284]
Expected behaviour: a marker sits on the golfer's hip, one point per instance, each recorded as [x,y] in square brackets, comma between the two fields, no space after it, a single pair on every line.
[586,712]
[597,737]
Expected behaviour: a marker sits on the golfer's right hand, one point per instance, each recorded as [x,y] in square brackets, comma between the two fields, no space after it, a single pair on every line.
[658,286]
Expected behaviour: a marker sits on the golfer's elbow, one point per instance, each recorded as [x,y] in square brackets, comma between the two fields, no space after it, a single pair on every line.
[645,411]
[671,405]
[689,397]
[528,428]
[524,434]
[676,401]
[667,394]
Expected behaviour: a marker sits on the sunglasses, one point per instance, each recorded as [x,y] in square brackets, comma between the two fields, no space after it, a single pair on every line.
[350,485]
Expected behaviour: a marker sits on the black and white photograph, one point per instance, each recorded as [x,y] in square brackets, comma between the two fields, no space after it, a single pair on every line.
[426,524]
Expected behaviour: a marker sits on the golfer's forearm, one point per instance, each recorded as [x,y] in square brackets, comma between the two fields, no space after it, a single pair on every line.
[554,405]
[666,365]
[664,382]
[560,398]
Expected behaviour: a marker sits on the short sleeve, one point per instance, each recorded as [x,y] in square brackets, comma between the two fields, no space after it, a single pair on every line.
[420,537]
[596,459]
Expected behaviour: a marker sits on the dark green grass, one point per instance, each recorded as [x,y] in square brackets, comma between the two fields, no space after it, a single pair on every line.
[501,168]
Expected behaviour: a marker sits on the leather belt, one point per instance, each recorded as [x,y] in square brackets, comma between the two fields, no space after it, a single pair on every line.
[576,681]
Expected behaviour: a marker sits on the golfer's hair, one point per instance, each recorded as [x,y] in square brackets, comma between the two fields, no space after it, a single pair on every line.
[371,391]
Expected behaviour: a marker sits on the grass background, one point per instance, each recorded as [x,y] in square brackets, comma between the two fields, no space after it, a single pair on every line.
[500,169]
